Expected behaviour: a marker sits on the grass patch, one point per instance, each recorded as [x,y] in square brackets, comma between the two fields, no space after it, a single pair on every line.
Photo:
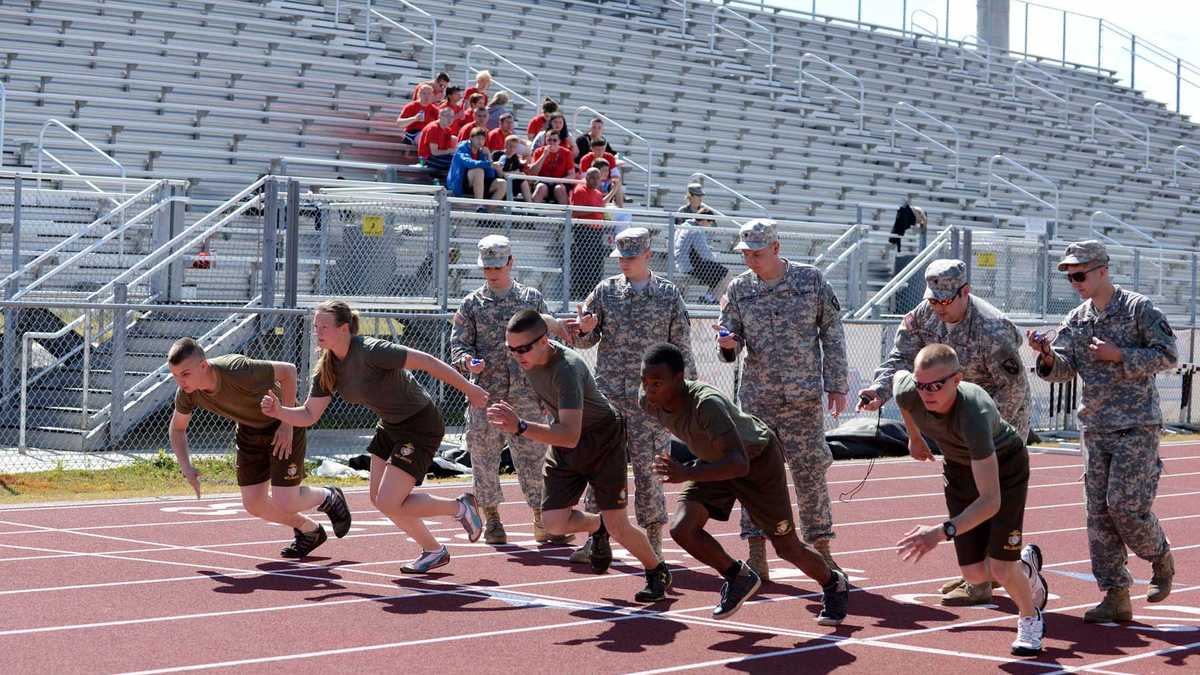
[154,477]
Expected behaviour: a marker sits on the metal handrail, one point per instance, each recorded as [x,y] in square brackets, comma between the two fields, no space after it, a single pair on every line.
[705,177]
[43,151]
[537,84]
[896,283]
[714,28]
[965,53]
[1156,244]
[954,151]
[913,25]
[1176,163]
[853,229]
[608,120]
[1128,118]
[1064,99]
[862,96]
[3,107]
[431,43]
[993,176]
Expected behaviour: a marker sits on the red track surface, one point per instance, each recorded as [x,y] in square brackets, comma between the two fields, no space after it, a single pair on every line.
[169,586]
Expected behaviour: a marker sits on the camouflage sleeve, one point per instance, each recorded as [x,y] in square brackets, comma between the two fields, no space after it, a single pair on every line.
[904,350]
[462,336]
[1158,351]
[680,335]
[1065,365]
[594,304]
[731,320]
[1006,367]
[834,367]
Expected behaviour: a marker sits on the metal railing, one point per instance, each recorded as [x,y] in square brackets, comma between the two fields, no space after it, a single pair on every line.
[1121,131]
[1018,79]
[913,25]
[896,121]
[716,29]
[862,97]
[1155,244]
[738,195]
[965,54]
[870,308]
[648,168]
[537,84]
[3,108]
[431,41]
[1176,163]
[42,151]
[390,172]
[994,177]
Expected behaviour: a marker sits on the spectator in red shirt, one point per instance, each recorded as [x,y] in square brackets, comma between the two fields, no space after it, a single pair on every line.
[466,118]
[583,144]
[438,84]
[478,120]
[557,125]
[498,136]
[598,152]
[454,101]
[551,161]
[610,183]
[483,80]
[588,193]
[437,143]
[416,114]
[549,107]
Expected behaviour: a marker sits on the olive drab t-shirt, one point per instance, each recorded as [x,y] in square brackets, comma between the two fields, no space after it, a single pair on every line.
[241,384]
[972,429]
[373,375]
[706,415]
[566,383]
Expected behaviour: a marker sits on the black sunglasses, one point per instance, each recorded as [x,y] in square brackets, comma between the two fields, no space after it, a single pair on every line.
[523,349]
[936,385]
[1078,277]
[947,301]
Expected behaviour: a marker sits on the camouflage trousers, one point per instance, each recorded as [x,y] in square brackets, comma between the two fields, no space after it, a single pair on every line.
[801,430]
[486,443]
[1119,488]
[646,438]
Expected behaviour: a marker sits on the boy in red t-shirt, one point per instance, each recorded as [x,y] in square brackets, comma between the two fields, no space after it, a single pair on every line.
[437,144]
[552,161]
[478,119]
[454,101]
[496,137]
[417,114]
[438,84]
[549,107]
[598,147]
[588,194]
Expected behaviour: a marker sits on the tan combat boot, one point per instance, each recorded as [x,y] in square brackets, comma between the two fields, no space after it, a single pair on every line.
[968,594]
[493,529]
[539,530]
[758,558]
[1164,574]
[822,546]
[1113,608]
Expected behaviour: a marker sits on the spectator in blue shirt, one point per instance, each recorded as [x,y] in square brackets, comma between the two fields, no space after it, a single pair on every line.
[472,173]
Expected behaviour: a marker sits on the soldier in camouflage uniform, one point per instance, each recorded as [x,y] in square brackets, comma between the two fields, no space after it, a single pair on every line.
[988,346]
[788,320]
[626,314]
[477,347]
[1116,342]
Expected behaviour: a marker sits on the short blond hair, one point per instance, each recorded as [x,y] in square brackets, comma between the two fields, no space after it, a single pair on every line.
[932,356]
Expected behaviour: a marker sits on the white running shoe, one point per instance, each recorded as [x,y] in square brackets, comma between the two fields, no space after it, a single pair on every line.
[1031,555]
[1029,635]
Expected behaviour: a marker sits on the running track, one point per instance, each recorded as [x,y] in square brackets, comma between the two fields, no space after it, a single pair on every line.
[171,586]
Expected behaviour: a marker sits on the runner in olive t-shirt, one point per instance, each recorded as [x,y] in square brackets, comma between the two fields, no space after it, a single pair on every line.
[373,372]
[587,446]
[985,479]
[739,458]
[270,455]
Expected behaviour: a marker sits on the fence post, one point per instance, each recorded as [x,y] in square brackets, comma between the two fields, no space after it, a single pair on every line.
[162,234]
[966,252]
[1195,299]
[9,354]
[270,222]
[116,414]
[1137,270]
[671,225]
[1044,273]
[566,273]
[176,222]
[442,253]
[1132,61]
[291,231]
[955,247]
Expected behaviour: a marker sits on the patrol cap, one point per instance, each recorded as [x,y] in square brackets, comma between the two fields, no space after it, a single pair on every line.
[696,189]
[494,251]
[757,235]
[944,278]
[1084,253]
[630,242]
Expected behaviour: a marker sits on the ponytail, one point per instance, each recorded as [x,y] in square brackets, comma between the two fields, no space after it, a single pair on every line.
[342,315]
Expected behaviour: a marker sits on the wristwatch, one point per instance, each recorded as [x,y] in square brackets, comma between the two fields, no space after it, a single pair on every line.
[522,427]
[949,530]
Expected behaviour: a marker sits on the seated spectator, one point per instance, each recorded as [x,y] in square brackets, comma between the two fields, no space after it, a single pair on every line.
[437,144]
[416,114]
[479,119]
[610,183]
[483,80]
[598,152]
[454,101]
[512,160]
[557,125]
[466,117]
[588,193]
[549,107]
[693,256]
[472,173]
[695,202]
[438,84]
[552,161]
[583,144]
[497,108]
[498,136]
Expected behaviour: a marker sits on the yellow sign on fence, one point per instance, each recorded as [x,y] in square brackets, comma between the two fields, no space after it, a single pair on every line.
[372,226]
[985,259]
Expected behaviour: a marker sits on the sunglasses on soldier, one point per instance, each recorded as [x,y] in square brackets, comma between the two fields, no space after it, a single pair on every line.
[524,349]
[1079,277]
[936,385]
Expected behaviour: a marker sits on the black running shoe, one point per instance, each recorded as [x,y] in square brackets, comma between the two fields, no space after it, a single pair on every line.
[601,555]
[658,580]
[836,598]
[304,543]
[338,511]
[735,592]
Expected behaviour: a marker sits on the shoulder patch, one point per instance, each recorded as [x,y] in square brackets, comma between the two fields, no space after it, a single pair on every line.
[459,319]
[1011,365]
[833,300]
[1165,327]
[909,322]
